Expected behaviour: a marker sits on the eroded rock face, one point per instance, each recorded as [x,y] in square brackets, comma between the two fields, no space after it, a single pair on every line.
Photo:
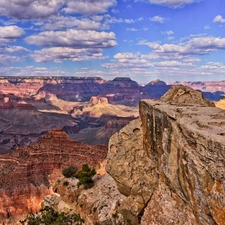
[185,95]
[27,173]
[96,205]
[188,145]
[178,164]
[133,171]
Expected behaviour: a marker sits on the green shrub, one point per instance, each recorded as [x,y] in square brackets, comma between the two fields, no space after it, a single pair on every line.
[85,176]
[69,171]
[48,216]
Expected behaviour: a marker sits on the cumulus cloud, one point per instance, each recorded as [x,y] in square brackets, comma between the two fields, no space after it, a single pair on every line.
[172,3]
[128,60]
[158,19]
[61,22]
[89,7]
[195,46]
[73,38]
[153,45]
[9,34]
[30,9]
[8,59]
[38,9]
[12,49]
[59,54]
[213,67]
[219,19]
[171,64]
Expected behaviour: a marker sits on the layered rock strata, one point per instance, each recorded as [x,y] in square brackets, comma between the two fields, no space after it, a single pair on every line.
[170,165]
[27,173]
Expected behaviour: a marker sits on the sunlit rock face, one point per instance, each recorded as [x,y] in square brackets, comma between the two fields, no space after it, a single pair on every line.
[170,163]
[182,95]
[27,173]
[96,205]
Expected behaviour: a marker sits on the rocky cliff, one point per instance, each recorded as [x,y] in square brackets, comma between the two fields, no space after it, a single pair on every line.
[170,164]
[27,173]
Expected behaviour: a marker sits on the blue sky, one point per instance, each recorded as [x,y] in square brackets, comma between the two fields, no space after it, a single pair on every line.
[142,39]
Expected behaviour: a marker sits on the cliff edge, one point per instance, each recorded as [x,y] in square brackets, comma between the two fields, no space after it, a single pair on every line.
[170,163]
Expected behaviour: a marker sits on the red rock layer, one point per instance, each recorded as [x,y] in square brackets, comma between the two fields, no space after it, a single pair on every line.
[25,175]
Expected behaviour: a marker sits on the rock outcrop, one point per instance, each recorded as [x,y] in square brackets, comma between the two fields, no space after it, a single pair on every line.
[27,173]
[96,205]
[182,95]
[170,165]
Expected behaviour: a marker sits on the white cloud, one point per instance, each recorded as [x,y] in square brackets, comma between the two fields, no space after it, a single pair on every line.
[9,34]
[59,54]
[30,9]
[129,21]
[62,22]
[8,59]
[195,46]
[171,38]
[74,39]
[153,45]
[12,49]
[37,9]
[219,19]
[158,19]
[172,3]
[132,29]
[115,11]
[169,32]
[89,7]
[213,68]
[33,71]
[171,64]
[206,27]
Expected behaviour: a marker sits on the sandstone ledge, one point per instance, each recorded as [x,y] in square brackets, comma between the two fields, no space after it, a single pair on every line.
[180,176]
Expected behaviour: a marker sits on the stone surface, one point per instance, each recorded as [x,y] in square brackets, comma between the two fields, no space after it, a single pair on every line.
[96,205]
[188,144]
[178,164]
[27,173]
[185,95]
[133,171]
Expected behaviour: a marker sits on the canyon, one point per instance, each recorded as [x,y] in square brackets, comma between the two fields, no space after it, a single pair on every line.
[78,105]
[166,167]
[158,158]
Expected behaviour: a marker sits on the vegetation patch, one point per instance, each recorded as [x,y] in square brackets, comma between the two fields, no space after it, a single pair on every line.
[85,176]
[48,216]
[69,171]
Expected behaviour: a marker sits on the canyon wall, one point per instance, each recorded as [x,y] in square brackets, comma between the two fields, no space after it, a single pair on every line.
[170,164]
[27,173]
